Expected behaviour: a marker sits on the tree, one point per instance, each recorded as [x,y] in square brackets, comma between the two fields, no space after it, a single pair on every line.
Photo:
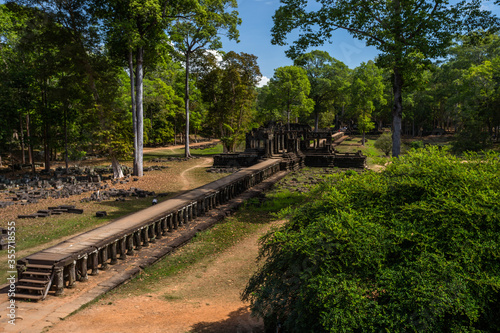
[288,92]
[329,81]
[407,33]
[384,143]
[200,30]
[49,82]
[134,28]
[229,88]
[367,90]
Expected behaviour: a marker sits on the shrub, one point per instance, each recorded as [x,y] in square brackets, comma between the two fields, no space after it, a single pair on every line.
[416,144]
[384,143]
[414,248]
[471,138]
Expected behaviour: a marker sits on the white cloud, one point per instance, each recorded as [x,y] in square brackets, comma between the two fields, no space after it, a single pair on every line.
[488,5]
[263,81]
[217,54]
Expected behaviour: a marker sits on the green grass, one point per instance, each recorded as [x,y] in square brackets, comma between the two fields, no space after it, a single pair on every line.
[374,155]
[32,235]
[47,229]
[204,245]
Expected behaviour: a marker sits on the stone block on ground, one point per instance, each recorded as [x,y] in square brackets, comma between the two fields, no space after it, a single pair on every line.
[101,213]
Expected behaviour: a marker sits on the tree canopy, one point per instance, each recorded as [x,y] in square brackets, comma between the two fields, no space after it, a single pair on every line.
[329,79]
[289,93]
[200,29]
[406,32]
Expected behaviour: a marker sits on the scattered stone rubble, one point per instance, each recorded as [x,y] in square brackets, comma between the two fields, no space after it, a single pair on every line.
[28,189]
[223,170]
[53,211]
[172,159]
[4,239]
[118,195]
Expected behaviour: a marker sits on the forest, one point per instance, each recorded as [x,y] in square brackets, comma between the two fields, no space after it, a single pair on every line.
[104,78]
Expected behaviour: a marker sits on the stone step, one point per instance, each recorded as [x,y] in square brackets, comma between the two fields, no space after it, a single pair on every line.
[30,288]
[33,281]
[40,273]
[29,296]
[39,266]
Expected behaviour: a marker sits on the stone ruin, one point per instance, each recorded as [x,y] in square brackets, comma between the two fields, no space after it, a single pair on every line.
[59,183]
[297,145]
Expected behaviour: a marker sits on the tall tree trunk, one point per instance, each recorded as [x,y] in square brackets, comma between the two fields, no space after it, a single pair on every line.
[30,146]
[288,111]
[140,111]
[316,122]
[186,98]
[46,147]
[23,157]
[46,132]
[134,110]
[397,112]
[175,134]
[66,139]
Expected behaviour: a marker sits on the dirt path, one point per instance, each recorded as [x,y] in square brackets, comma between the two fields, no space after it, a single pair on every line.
[205,162]
[192,144]
[205,299]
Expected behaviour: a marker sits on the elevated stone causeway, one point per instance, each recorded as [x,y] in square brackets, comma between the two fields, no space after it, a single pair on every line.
[61,266]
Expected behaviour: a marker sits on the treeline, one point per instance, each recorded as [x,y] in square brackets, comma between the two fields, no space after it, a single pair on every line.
[459,94]
[92,77]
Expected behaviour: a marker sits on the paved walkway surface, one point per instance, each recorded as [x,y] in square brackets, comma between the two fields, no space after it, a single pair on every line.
[34,317]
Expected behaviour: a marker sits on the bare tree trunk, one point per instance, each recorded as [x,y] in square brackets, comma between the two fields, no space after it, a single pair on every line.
[175,134]
[117,168]
[30,146]
[22,138]
[140,111]
[66,139]
[397,112]
[134,110]
[46,130]
[288,111]
[186,97]
[46,148]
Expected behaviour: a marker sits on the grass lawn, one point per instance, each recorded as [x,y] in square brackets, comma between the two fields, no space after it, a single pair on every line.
[375,157]
[33,235]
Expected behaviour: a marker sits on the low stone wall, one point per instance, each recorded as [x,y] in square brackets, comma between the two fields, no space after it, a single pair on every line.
[350,160]
[235,160]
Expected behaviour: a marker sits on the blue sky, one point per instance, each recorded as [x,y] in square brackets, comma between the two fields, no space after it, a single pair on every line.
[255,38]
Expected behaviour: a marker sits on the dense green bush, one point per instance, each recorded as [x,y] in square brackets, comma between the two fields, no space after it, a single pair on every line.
[416,144]
[384,143]
[415,248]
[471,138]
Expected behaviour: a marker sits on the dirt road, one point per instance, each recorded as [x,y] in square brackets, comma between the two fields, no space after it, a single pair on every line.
[205,299]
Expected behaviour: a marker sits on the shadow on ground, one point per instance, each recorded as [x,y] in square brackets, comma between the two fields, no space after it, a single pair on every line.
[239,321]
